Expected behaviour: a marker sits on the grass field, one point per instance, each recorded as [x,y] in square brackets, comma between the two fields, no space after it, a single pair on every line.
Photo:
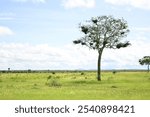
[75,85]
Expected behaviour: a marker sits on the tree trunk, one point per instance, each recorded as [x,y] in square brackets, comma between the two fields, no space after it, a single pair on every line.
[99,66]
[148,67]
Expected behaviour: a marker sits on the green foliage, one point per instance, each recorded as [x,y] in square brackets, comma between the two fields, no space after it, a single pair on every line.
[121,45]
[113,86]
[82,73]
[53,72]
[49,77]
[35,84]
[145,61]
[114,72]
[53,81]
[103,32]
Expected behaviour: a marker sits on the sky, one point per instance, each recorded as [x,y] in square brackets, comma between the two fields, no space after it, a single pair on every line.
[38,34]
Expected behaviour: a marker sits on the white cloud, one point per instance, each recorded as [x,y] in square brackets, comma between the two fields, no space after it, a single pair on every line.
[144,4]
[43,56]
[33,1]
[25,56]
[5,31]
[78,3]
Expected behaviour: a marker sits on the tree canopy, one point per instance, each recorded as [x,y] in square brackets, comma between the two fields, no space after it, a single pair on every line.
[103,32]
[145,61]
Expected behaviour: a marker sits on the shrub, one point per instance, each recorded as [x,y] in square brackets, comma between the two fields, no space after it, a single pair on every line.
[113,86]
[82,73]
[114,72]
[53,81]
[35,84]
[49,77]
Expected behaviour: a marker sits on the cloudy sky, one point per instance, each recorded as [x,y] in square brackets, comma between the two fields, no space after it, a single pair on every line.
[38,34]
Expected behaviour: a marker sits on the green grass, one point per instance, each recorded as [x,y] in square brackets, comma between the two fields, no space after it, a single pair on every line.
[74,85]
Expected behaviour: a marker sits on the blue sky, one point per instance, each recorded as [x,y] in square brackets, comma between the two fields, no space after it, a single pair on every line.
[38,34]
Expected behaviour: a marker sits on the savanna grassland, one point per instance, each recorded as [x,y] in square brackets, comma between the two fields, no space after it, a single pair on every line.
[75,86]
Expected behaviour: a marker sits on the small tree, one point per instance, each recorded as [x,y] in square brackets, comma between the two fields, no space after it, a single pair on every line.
[145,61]
[8,69]
[103,32]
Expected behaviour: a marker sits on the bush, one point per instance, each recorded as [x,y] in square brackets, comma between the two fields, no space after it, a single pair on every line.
[82,73]
[54,83]
[49,77]
[53,72]
[113,86]
[35,84]
[114,72]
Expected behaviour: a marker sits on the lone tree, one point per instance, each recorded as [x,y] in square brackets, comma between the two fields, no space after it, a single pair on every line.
[145,61]
[103,32]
